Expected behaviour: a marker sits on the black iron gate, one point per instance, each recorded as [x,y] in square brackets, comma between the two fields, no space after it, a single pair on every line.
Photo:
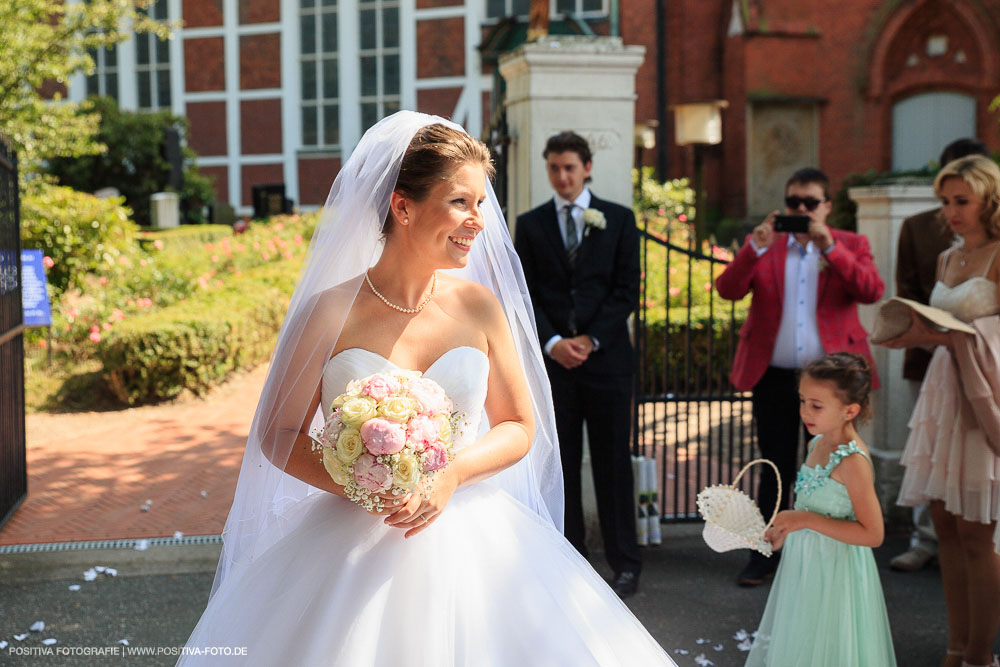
[13,462]
[688,417]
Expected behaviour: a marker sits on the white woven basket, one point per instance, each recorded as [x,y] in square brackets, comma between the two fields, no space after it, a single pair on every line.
[732,518]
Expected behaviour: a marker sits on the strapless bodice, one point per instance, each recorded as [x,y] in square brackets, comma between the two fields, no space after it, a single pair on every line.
[968,300]
[461,371]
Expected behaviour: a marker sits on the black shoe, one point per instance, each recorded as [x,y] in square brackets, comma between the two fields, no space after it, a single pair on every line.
[757,570]
[626,584]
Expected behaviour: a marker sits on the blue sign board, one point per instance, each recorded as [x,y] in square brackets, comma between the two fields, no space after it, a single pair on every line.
[34,290]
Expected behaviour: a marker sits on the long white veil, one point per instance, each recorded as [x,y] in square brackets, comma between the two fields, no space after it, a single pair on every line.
[347,241]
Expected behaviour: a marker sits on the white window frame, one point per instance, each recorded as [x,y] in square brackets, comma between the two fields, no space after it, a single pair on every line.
[102,72]
[322,59]
[385,103]
[553,12]
[154,67]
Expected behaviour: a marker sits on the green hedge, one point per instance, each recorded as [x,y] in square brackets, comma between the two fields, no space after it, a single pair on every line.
[184,237]
[196,343]
[79,232]
[690,370]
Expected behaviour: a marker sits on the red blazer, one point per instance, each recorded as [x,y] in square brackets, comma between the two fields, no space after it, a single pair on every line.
[849,278]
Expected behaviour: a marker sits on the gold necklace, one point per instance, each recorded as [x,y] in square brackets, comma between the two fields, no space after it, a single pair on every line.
[386,301]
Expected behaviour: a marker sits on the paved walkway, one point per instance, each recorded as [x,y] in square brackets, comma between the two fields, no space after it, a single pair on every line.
[89,474]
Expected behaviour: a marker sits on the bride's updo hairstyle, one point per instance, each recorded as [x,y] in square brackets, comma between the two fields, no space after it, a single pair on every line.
[435,154]
[982,175]
[850,374]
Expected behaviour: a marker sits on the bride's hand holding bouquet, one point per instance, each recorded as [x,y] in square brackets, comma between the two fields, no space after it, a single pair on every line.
[388,441]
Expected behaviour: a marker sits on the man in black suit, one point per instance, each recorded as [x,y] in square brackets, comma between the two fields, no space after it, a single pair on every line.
[581,262]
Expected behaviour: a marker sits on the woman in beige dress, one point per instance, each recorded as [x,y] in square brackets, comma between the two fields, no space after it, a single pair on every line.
[951,455]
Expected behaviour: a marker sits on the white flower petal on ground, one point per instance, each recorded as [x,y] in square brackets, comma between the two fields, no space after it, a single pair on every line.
[740,635]
[37,626]
[718,647]
[745,645]
[681,651]
[100,568]
[178,535]
[49,642]
[3,645]
[702,640]
[703,661]
[141,545]
[111,572]
[21,638]
[75,587]
[90,575]
[123,641]
[204,494]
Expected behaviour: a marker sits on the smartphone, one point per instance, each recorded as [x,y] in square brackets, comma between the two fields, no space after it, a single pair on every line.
[796,224]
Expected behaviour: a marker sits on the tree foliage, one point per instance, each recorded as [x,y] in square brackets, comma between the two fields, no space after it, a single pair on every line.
[134,161]
[44,43]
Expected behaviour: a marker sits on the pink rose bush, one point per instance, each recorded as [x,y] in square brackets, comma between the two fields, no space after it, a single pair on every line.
[386,435]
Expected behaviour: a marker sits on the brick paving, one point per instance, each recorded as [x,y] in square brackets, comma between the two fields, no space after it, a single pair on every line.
[90,473]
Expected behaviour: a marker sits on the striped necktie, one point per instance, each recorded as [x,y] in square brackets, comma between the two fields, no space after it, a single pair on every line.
[572,240]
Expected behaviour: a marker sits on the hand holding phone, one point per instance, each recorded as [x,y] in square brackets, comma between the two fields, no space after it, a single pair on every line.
[794,224]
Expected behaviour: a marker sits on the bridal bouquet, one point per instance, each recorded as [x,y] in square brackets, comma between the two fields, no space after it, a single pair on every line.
[387,435]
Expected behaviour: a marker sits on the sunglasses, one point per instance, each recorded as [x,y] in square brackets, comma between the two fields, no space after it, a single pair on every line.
[811,203]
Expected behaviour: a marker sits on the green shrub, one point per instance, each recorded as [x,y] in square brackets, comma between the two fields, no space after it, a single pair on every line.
[196,343]
[79,232]
[699,356]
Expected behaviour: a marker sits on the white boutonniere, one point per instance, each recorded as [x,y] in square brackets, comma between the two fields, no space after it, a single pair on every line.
[593,218]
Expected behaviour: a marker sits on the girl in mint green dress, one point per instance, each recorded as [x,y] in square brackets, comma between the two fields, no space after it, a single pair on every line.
[826,606]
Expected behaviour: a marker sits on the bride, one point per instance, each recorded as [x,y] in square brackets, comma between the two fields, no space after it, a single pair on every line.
[411,267]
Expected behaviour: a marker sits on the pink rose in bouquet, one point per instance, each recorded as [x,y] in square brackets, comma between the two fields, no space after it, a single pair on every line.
[381,387]
[382,436]
[429,395]
[372,475]
[422,431]
[435,457]
[404,428]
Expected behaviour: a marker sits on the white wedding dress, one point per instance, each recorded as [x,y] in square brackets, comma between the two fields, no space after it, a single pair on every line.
[488,584]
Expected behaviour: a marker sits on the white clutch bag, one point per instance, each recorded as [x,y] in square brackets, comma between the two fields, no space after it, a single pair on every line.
[894,319]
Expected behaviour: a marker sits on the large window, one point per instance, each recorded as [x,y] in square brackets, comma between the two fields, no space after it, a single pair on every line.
[104,80]
[320,85]
[497,9]
[152,64]
[379,22]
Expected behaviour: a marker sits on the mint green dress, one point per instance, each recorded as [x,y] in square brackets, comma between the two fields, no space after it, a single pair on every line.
[826,606]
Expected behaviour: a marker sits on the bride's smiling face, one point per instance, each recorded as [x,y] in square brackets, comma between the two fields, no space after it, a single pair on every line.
[444,226]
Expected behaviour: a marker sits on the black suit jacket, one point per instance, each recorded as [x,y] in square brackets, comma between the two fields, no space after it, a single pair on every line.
[598,293]
[921,239]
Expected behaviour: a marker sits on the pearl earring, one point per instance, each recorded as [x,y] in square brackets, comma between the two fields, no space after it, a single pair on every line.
[406,221]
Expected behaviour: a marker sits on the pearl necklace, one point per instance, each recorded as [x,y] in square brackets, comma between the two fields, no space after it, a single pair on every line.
[386,301]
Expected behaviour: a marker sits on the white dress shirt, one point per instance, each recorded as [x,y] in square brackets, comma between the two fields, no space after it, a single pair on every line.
[798,340]
[580,204]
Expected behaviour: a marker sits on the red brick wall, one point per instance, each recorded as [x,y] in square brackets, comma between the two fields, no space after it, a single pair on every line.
[259,174]
[259,11]
[439,101]
[220,176]
[260,126]
[316,175]
[260,61]
[207,135]
[817,50]
[441,47]
[202,13]
[204,64]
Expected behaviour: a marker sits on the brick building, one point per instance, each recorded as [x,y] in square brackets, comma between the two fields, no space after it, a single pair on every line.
[279,90]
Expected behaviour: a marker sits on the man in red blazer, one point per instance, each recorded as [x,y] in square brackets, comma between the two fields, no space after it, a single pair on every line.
[806,290]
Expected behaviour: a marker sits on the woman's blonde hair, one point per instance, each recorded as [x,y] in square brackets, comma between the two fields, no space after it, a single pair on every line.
[982,175]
